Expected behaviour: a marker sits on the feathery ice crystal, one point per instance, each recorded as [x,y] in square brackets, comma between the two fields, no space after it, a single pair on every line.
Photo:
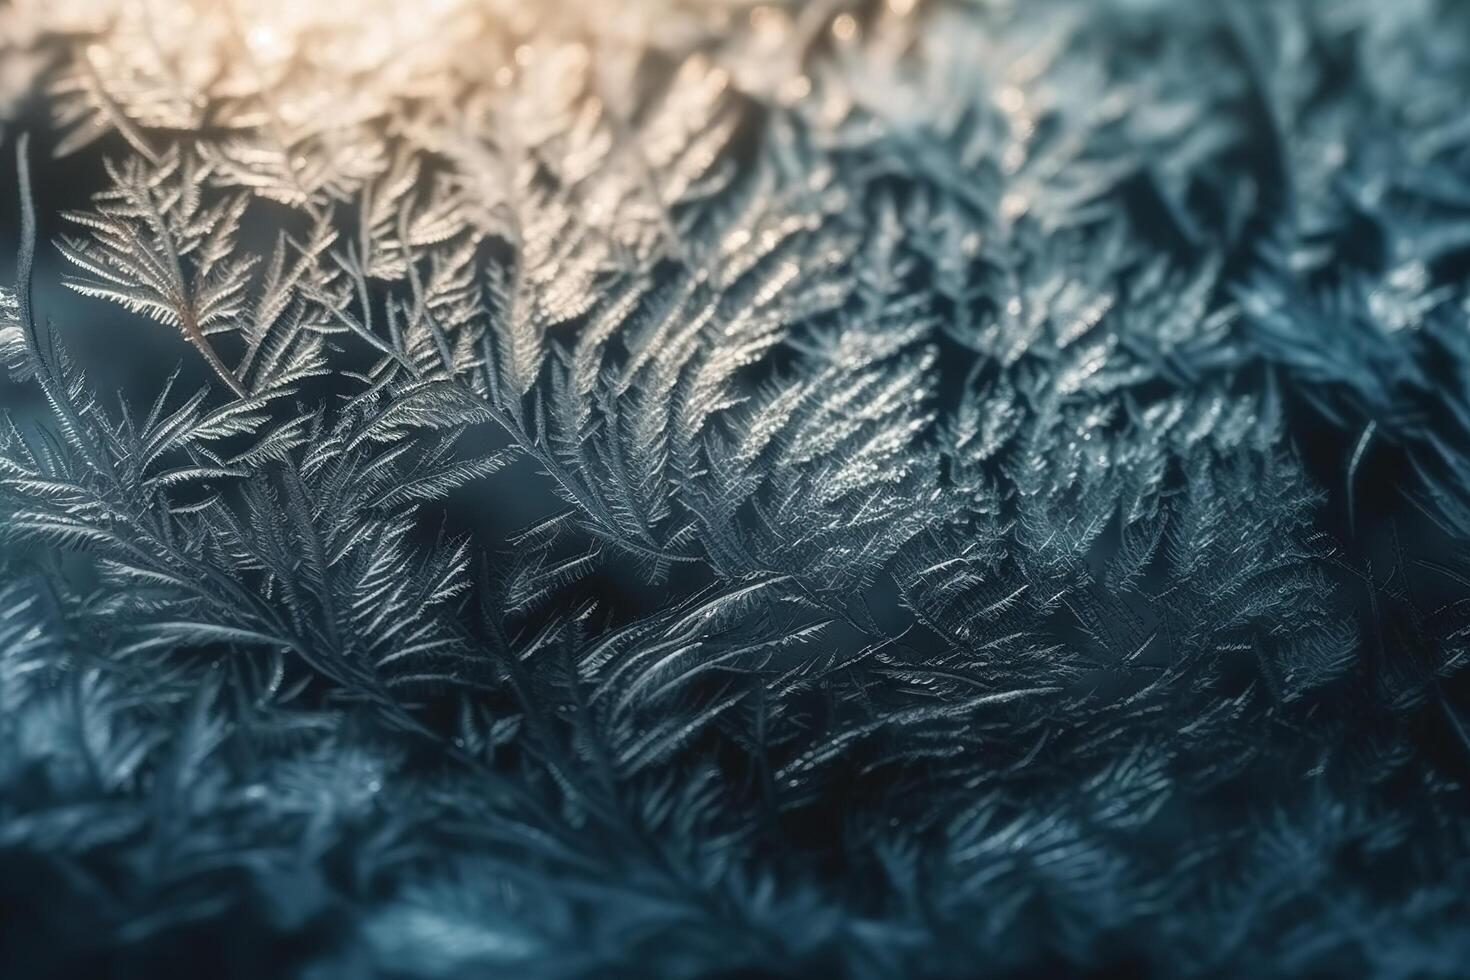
[672,488]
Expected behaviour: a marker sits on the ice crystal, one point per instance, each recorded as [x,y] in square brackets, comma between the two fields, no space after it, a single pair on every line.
[668,488]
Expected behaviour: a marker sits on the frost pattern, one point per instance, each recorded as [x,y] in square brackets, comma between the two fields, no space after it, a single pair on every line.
[1000,477]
